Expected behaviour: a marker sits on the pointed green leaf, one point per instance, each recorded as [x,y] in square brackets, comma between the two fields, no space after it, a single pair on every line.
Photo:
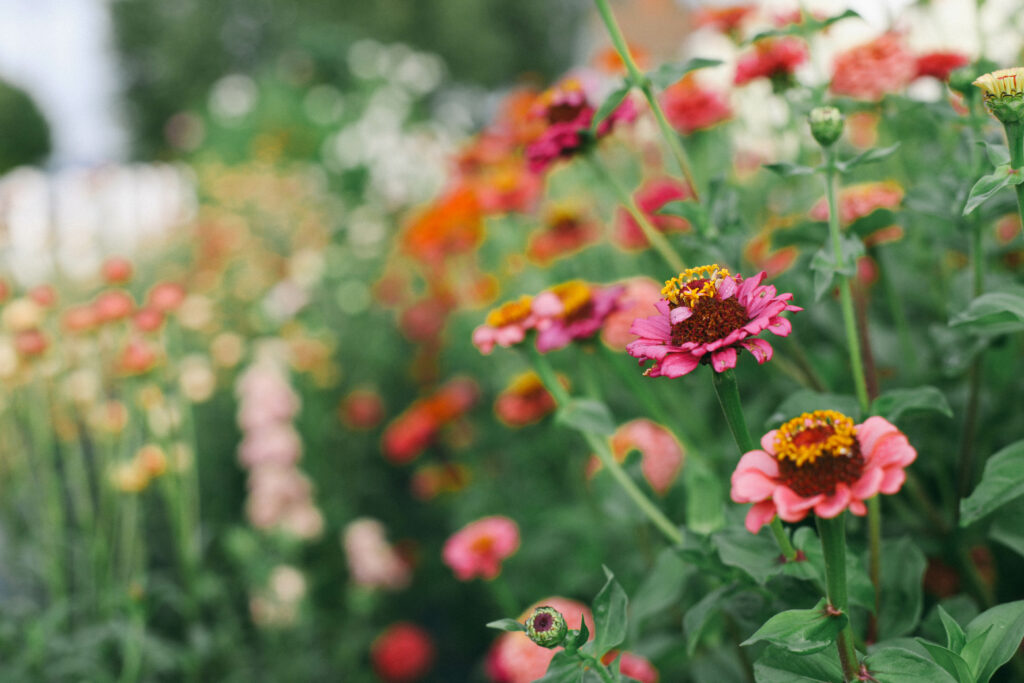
[786,169]
[896,665]
[998,155]
[869,157]
[1008,527]
[609,615]
[662,588]
[506,625]
[801,630]
[1001,483]
[587,415]
[1003,626]
[697,617]
[993,313]
[988,185]
[825,268]
[670,73]
[756,554]
[903,566]
[610,104]
[806,28]
[955,636]
[704,495]
[948,660]
[894,403]
[777,665]
[564,668]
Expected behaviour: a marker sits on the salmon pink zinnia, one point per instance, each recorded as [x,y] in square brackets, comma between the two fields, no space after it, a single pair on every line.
[478,548]
[705,314]
[820,461]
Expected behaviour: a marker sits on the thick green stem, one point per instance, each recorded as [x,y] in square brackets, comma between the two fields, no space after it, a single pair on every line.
[729,398]
[603,452]
[653,235]
[833,545]
[637,77]
[1015,140]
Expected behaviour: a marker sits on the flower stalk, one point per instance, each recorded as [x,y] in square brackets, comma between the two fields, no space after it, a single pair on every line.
[604,454]
[728,394]
[637,77]
[833,545]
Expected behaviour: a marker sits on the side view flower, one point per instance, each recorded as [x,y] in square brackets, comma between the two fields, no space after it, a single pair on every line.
[706,315]
[478,548]
[820,461]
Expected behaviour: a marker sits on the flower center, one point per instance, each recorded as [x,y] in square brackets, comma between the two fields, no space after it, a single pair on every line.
[543,622]
[575,296]
[482,545]
[711,318]
[564,112]
[817,451]
[694,284]
[510,312]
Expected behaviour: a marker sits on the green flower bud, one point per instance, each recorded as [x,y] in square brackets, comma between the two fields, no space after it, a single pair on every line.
[826,125]
[962,81]
[546,627]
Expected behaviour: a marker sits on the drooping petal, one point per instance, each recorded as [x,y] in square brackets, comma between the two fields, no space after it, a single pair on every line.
[858,508]
[792,506]
[678,364]
[834,504]
[759,515]
[761,349]
[753,480]
[724,359]
[867,485]
[780,326]
[893,480]
[871,430]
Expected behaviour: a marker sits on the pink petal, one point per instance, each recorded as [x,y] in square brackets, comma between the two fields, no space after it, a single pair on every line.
[678,364]
[858,508]
[759,515]
[892,450]
[655,327]
[893,480]
[867,485]
[760,348]
[870,431]
[834,504]
[680,314]
[547,304]
[768,442]
[793,507]
[726,288]
[753,480]
[724,359]
[780,326]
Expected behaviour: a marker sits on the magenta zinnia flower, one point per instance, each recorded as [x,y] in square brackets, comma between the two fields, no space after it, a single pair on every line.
[820,461]
[478,548]
[572,310]
[704,316]
[505,325]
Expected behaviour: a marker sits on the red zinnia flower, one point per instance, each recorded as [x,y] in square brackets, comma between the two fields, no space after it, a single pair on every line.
[776,59]
[403,653]
[690,108]
[940,64]
[869,71]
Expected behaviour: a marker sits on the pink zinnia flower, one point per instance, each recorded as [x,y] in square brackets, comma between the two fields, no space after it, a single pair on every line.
[690,108]
[858,201]
[940,64]
[505,325]
[568,115]
[705,316]
[524,401]
[372,561]
[661,453]
[478,548]
[724,19]
[639,295]
[869,71]
[650,198]
[566,230]
[820,461]
[572,310]
[774,59]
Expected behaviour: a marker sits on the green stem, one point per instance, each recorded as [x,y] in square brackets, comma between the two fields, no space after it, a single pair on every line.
[637,77]
[503,595]
[833,545]
[729,398]
[595,664]
[1015,140]
[654,236]
[600,447]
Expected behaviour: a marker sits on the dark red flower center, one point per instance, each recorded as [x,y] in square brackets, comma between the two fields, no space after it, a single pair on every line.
[564,112]
[817,451]
[822,475]
[712,319]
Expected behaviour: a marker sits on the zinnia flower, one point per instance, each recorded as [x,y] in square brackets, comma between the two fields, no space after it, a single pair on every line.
[640,293]
[863,199]
[515,658]
[705,315]
[650,198]
[372,561]
[690,108]
[524,401]
[505,325]
[572,310]
[403,653]
[773,59]
[869,71]
[478,548]
[940,64]
[820,461]
[661,453]
[566,230]
[724,19]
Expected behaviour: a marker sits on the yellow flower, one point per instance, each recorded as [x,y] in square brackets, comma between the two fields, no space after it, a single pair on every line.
[1002,83]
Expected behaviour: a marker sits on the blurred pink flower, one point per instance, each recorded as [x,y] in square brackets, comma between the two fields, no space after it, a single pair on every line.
[690,107]
[940,64]
[524,401]
[857,201]
[653,195]
[867,72]
[479,547]
[707,316]
[639,297]
[275,443]
[505,325]
[820,461]
[372,562]
[771,58]
[638,667]
[572,310]
[403,653]
[662,455]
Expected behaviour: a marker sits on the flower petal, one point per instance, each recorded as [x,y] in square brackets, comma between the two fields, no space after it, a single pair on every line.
[678,364]
[835,503]
[759,515]
[726,288]
[724,359]
[753,480]
[680,314]
[761,349]
[793,507]
[870,431]
[547,304]
[893,480]
[892,450]
[768,442]
[867,485]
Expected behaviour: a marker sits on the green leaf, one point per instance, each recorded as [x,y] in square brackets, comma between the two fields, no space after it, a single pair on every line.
[988,185]
[697,618]
[587,415]
[998,155]
[948,660]
[806,28]
[1001,483]
[869,157]
[610,615]
[662,588]
[801,630]
[610,104]
[704,496]
[564,668]
[903,566]
[894,403]
[824,264]
[1003,626]
[971,652]
[506,625]
[805,401]
[670,73]
[993,313]
[1008,527]
[689,210]
[896,665]
[777,665]
[955,636]
[786,169]
[578,638]
[756,554]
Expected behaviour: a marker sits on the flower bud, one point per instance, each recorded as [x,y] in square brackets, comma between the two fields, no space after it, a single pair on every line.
[1004,93]
[546,627]
[826,125]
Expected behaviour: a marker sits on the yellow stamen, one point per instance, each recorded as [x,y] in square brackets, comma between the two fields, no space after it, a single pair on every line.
[510,312]
[826,432]
[678,287]
[574,295]
[1002,83]
[524,384]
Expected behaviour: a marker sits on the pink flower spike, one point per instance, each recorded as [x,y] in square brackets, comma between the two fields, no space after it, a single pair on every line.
[821,462]
[706,316]
[479,547]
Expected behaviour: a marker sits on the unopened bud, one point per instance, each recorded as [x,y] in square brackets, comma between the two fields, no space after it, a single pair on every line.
[546,627]
[1004,93]
[826,125]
